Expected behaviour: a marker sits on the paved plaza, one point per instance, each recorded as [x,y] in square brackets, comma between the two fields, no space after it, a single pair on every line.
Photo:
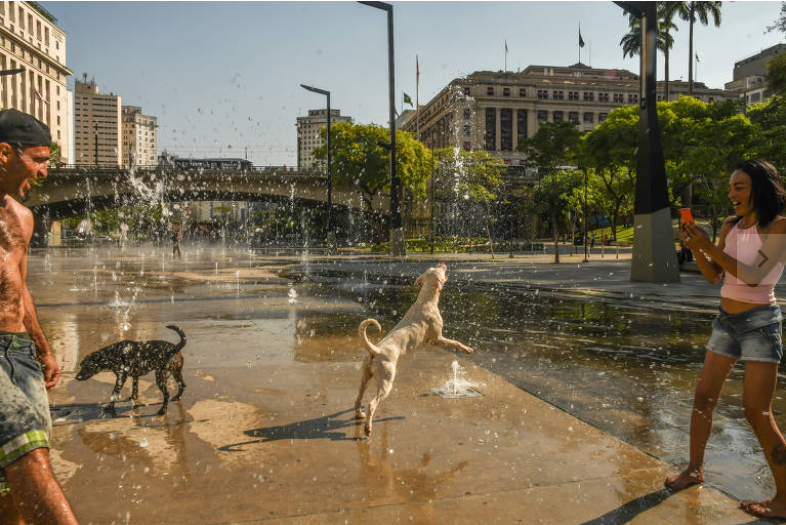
[275,440]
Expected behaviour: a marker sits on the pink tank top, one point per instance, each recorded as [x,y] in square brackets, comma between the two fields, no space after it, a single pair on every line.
[744,246]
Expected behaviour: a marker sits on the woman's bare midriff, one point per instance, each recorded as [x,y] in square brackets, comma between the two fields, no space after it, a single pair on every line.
[734,307]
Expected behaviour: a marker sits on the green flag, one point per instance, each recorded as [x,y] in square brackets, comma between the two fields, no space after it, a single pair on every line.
[581,40]
[408,100]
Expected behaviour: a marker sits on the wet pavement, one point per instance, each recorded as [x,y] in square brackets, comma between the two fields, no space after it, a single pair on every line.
[586,379]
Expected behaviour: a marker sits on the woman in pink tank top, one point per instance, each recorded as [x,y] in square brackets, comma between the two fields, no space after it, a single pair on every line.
[749,258]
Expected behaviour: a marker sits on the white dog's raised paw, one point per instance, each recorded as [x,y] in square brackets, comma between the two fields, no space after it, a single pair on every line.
[367,430]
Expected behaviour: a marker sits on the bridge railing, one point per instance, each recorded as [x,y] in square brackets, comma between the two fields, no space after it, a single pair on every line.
[114,168]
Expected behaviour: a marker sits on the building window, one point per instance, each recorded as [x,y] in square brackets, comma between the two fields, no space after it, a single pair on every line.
[521,124]
[558,116]
[573,95]
[602,117]
[522,92]
[466,91]
[506,129]
[466,145]
[543,94]
[558,95]
[632,98]
[589,96]
[467,113]
[543,115]
[603,97]
[506,92]
[490,91]
[573,116]
[589,118]
[467,131]
[491,129]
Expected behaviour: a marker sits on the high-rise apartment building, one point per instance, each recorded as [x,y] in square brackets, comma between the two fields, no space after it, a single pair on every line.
[30,39]
[98,135]
[493,111]
[750,75]
[309,136]
[140,138]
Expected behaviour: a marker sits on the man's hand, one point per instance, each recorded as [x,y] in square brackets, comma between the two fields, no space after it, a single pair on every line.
[51,370]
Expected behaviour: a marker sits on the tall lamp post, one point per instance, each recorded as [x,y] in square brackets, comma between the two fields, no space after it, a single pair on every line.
[8,72]
[331,233]
[397,246]
[654,256]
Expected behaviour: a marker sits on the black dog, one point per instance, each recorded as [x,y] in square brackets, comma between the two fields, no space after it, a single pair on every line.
[135,359]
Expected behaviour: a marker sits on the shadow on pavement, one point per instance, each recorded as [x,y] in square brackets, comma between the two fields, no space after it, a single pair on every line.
[631,509]
[325,427]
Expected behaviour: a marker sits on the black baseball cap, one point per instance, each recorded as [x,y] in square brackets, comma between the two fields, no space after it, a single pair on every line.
[20,128]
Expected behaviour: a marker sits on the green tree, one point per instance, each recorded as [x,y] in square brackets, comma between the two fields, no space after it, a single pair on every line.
[358,160]
[701,12]
[769,119]
[631,41]
[552,146]
[776,74]
[610,152]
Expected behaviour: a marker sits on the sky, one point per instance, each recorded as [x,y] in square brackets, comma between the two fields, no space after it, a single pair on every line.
[223,78]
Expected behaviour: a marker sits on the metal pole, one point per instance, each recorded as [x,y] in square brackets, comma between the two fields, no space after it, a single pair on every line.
[331,236]
[586,256]
[95,127]
[433,199]
[397,246]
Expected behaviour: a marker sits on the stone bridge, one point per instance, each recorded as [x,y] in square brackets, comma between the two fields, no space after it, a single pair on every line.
[73,190]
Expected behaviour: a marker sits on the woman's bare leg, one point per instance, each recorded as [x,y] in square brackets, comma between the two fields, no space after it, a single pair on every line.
[713,374]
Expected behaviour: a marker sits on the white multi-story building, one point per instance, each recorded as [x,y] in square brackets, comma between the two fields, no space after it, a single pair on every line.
[493,111]
[97,125]
[30,39]
[140,138]
[309,136]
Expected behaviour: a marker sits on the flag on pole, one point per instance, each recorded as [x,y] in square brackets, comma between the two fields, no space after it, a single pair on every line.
[417,68]
[408,100]
[506,45]
[581,40]
[697,58]
[37,94]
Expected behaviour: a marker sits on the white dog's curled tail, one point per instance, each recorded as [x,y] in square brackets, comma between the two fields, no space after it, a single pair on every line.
[363,337]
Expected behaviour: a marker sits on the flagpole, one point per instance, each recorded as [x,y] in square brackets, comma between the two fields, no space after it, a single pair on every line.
[417,103]
[579,42]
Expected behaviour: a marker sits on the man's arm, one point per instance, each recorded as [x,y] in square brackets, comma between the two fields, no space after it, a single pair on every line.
[43,352]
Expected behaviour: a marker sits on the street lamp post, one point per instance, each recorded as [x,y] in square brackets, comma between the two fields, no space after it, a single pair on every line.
[8,72]
[586,253]
[654,259]
[95,135]
[397,246]
[331,233]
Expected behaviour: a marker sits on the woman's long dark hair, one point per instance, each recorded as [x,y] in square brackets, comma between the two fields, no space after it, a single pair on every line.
[767,192]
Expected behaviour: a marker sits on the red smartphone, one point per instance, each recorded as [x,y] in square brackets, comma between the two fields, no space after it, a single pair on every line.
[686,215]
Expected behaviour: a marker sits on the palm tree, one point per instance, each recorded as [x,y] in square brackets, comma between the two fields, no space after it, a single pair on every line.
[701,11]
[631,41]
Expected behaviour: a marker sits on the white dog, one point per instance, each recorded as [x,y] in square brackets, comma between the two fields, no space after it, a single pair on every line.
[421,324]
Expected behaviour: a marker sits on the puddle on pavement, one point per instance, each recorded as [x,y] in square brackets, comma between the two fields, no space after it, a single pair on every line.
[628,371]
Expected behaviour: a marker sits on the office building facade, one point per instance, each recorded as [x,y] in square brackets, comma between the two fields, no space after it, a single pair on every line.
[140,138]
[97,125]
[309,136]
[31,40]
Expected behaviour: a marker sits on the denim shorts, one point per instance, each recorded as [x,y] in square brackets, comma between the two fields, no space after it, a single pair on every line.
[752,335]
[25,423]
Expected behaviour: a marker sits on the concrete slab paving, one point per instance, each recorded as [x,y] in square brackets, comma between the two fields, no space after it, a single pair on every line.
[279,444]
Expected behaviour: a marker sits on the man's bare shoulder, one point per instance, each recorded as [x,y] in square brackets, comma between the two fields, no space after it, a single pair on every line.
[22,215]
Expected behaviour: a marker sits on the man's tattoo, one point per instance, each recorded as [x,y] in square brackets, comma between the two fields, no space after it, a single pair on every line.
[779,454]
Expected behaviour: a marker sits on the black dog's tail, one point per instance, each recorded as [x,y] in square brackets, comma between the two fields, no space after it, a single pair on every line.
[179,346]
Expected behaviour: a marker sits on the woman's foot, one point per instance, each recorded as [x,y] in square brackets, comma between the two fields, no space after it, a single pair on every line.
[771,508]
[682,481]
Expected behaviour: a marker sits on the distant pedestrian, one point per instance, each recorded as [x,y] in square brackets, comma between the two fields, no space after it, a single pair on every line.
[749,257]
[605,239]
[29,492]
[176,244]
[592,240]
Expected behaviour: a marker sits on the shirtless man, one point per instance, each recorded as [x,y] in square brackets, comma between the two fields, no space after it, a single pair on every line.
[27,367]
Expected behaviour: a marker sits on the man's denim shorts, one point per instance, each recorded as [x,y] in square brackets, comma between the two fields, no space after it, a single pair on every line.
[752,335]
[25,423]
